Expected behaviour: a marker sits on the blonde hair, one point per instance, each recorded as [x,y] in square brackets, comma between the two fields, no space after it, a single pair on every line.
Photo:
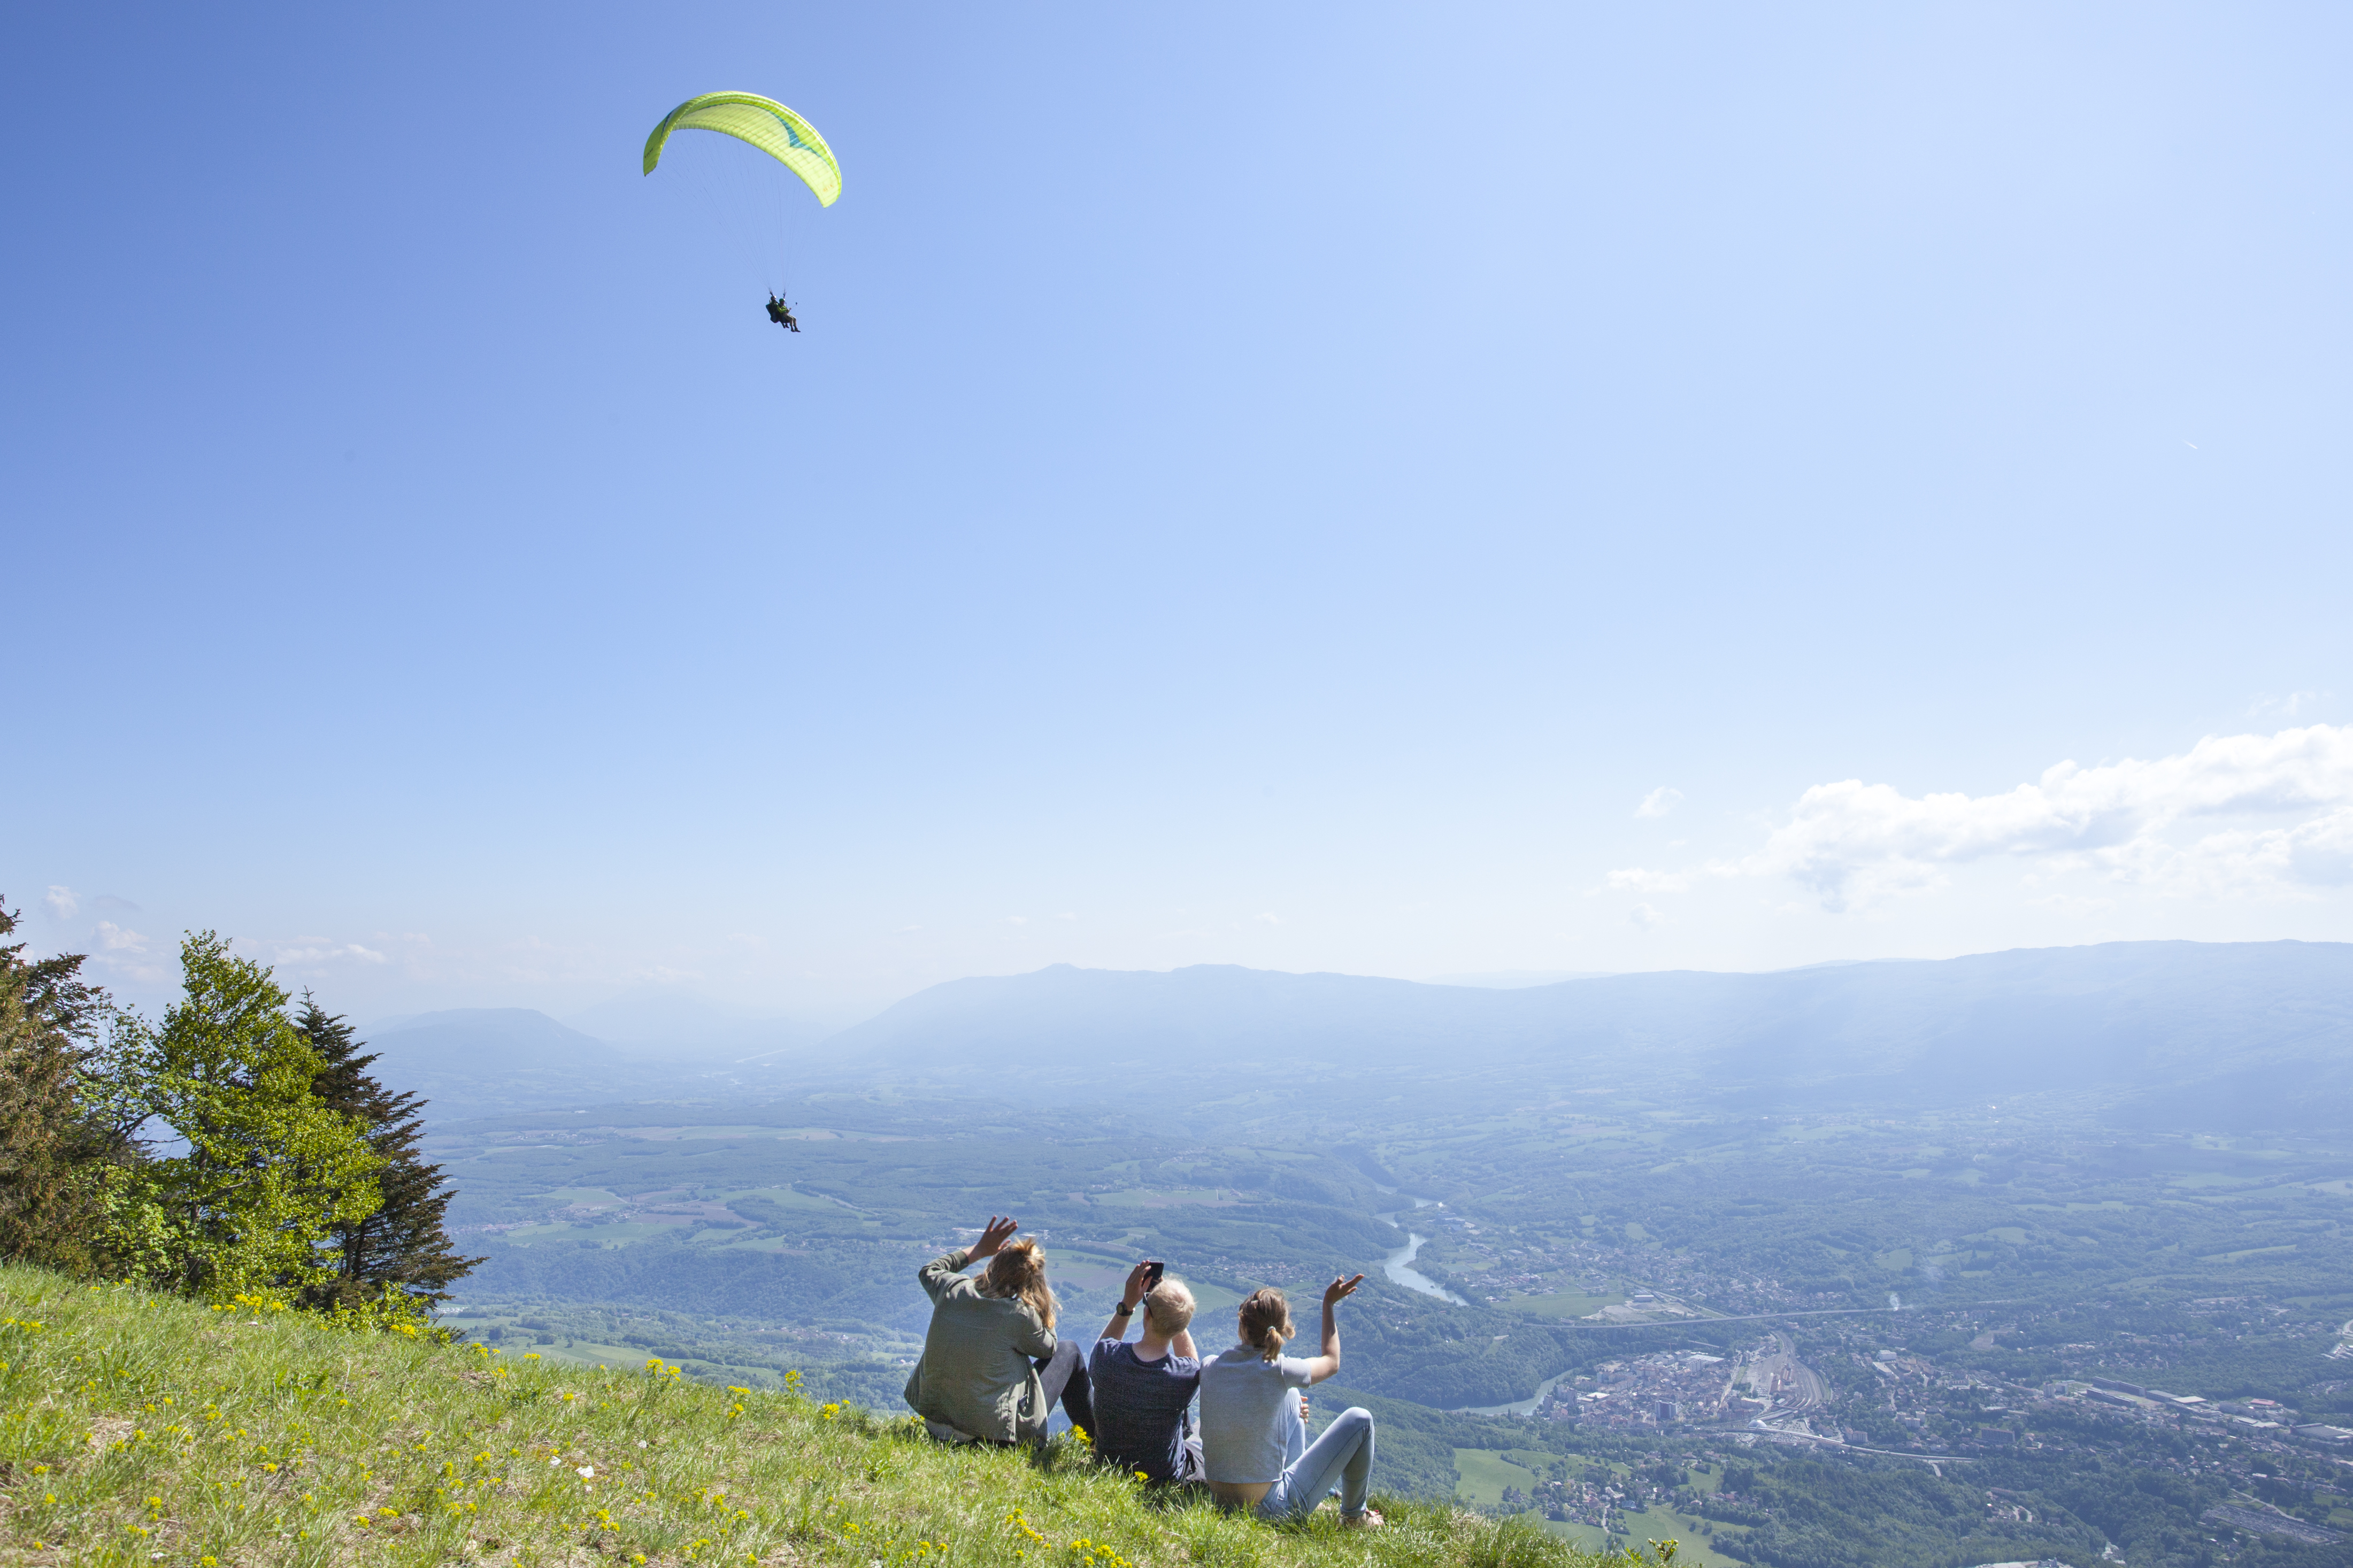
[1266,1322]
[1168,1307]
[1018,1272]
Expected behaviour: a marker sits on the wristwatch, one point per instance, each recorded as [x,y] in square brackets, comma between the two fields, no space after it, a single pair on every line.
[1122,1310]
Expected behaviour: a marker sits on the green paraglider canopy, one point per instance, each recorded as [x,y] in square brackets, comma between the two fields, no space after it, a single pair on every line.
[765,124]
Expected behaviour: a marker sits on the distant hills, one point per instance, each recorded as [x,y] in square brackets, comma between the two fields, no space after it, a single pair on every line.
[483,1061]
[2209,1035]
[2212,1035]
[670,1024]
[492,1061]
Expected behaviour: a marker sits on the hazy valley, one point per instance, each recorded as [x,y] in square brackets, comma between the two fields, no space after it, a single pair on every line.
[1733,1256]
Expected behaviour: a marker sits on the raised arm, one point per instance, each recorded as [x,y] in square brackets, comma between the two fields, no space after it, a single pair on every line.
[1324,1365]
[993,1237]
[941,1272]
[1129,1295]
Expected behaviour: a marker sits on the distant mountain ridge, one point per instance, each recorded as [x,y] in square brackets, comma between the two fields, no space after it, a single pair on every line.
[479,1062]
[677,1025]
[2214,1036]
[2258,1033]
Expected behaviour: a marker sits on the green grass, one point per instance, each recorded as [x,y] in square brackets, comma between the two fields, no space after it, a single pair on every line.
[1165,1197]
[604,1198]
[1655,1524]
[1486,1473]
[137,1430]
[1565,1304]
[619,1233]
[787,1197]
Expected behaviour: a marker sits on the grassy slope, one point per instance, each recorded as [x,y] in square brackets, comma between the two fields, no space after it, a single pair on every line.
[143,1430]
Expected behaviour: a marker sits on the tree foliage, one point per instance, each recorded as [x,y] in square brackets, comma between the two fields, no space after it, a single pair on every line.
[401,1247]
[265,1171]
[229,1152]
[57,1147]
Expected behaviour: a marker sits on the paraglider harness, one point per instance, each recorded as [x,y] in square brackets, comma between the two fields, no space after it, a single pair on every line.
[782,315]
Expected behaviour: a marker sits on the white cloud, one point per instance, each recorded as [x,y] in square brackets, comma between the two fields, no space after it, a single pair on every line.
[61,903]
[1659,802]
[113,938]
[1646,918]
[2276,813]
[1017,920]
[1854,842]
[1268,917]
[123,955]
[314,950]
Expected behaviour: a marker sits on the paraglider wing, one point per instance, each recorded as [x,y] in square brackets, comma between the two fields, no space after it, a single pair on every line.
[765,124]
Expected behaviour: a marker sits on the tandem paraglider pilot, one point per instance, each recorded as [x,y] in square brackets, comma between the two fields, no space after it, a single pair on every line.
[764,124]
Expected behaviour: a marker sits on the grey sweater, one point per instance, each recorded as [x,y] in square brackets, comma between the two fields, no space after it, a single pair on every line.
[977,1373]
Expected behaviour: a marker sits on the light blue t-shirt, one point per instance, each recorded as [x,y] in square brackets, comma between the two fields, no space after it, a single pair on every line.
[1250,1426]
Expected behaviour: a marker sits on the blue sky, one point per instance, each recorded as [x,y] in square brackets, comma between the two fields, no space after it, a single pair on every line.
[1404,490]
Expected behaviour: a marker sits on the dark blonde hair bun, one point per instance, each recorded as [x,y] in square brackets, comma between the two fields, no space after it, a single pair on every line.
[1266,1322]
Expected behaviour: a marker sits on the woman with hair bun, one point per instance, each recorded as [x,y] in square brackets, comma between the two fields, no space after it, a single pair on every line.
[992,1370]
[1254,1430]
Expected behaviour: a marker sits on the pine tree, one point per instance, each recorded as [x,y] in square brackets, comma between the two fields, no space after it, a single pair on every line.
[403,1242]
[54,1144]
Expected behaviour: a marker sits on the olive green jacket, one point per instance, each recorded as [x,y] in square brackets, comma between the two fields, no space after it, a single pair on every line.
[977,1373]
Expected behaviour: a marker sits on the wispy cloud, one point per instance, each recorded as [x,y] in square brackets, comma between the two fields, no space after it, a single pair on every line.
[2276,813]
[61,903]
[302,951]
[123,955]
[2294,705]
[1637,880]
[1268,917]
[1659,802]
[113,938]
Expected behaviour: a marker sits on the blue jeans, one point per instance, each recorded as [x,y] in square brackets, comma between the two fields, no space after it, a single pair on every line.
[1345,1453]
[1062,1378]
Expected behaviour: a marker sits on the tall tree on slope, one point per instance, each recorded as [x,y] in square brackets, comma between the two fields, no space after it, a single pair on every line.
[403,1242]
[54,1145]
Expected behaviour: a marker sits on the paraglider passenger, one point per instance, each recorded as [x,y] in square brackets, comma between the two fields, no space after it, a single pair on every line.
[782,315]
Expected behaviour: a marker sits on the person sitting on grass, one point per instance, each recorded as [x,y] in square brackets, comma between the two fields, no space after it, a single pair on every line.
[992,1370]
[1253,1431]
[1141,1392]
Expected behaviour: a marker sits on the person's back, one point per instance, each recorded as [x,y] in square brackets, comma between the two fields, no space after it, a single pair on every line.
[979,1359]
[1141,1392]
[991,1367]
[1250,1428]
[1254,1433]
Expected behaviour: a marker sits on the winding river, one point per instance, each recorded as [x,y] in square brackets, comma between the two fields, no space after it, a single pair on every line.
[1398,1264]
